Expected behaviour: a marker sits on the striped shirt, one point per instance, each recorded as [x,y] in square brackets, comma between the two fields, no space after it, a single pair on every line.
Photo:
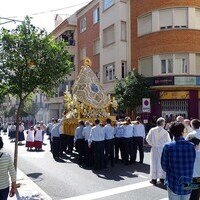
[6,165]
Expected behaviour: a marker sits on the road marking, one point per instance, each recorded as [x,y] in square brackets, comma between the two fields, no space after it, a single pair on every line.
[105,193]
[141,176]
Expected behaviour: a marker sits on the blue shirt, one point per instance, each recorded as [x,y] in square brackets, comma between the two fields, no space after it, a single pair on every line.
[55,131]
[96,134]
[128,131]
[178,161]
[109,132]
[119,131]
[139,130]
[86,132]
[49,127]
[78,133]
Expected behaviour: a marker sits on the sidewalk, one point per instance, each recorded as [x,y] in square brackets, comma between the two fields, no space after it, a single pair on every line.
[28,190]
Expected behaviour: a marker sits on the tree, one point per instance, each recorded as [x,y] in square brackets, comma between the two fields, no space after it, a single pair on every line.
[2,100]
[31,60]
[30,107]
[130,91]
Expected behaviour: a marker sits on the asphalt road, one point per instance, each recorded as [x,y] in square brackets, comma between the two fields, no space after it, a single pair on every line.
[67,180]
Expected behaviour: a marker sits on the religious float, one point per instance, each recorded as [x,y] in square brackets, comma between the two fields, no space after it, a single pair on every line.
[88,100]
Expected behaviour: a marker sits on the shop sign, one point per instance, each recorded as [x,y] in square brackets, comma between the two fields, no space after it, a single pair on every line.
[185,80]
[198,80]
[175,95]
[163,81]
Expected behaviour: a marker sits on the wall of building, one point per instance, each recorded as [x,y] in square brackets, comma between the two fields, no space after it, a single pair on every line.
[168,87]
[86,39]
[119,50]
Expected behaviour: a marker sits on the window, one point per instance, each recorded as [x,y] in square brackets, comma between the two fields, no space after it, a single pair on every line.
[197,21]
[181,65]
[108,35]
[176,63]
[180,17]
[96,16]
[83,24]
[145,24]
[166,66]
[96,47]
[165,19]
[146,66]
[197,66]
[123,31]
[82,53]
[109,72]
[123,69]
[173,18]
[107,4]
[68,36]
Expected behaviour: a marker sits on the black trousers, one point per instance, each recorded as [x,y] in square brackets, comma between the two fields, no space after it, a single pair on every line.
[99,154]
[138,142]
[70,143]
[118,148]
[89,157]
[80,149]
[109,151]
[56,147]
[195,195]
[63,143]
[4,193]
[128,150]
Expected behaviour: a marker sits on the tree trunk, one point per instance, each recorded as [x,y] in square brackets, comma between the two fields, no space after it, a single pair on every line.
[17,135]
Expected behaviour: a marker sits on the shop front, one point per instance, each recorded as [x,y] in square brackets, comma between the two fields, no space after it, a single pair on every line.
[176,95]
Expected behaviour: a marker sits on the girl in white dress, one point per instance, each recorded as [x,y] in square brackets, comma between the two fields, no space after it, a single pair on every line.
[30,138]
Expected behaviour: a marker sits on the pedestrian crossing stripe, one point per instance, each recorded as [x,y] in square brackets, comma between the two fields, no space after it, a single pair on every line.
[110,192]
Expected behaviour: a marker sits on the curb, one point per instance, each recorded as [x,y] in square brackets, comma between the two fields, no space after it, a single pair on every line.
[28,189]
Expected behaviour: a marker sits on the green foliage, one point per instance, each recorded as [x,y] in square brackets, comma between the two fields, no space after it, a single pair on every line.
[31,108]
[31,59]
[130,91]
[10,112]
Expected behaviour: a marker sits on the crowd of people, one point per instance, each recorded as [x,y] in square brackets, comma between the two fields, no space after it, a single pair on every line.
[32,138]
[175,153]
[101,144]
[175,156]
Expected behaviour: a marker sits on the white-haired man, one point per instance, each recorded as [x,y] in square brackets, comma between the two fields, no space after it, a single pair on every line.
[157,138]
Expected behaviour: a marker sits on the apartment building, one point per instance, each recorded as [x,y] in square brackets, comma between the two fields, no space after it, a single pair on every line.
[103,36]
[165,48]
[115,49]
[64,30]
[88,28]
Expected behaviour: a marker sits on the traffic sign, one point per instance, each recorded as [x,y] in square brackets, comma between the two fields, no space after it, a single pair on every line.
[146,105]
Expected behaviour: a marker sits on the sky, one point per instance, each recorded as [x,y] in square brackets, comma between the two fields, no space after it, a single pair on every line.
[41,11]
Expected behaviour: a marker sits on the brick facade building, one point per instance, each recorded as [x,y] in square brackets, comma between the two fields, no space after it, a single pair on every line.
[165,48]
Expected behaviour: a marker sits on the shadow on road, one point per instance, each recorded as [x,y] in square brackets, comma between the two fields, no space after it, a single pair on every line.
[119,171]
[34,175]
